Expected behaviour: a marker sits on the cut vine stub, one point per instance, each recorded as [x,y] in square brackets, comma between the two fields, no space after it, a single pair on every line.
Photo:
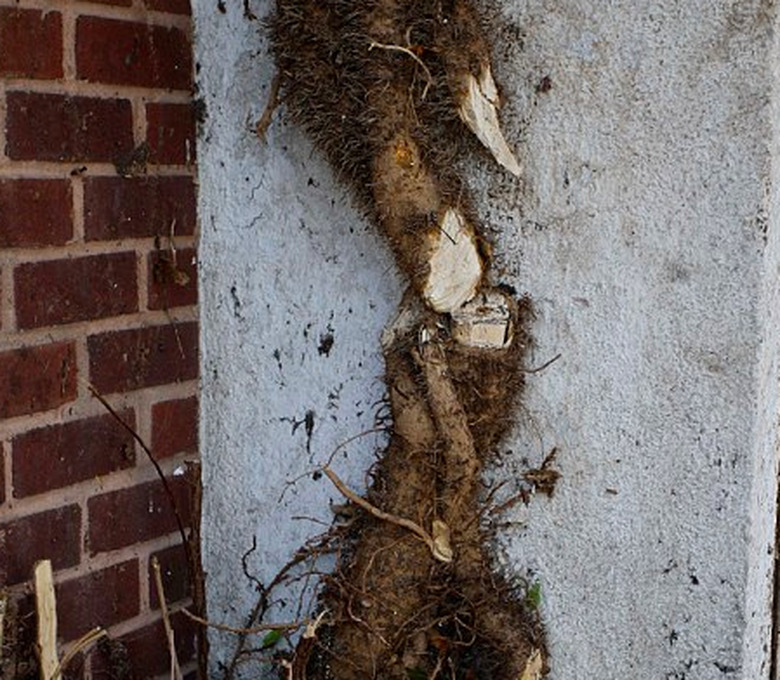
[393,609]
[384,87]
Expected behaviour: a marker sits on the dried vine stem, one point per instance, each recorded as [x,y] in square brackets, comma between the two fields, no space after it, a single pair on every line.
[261,628]
[169,635]
[407,51]
[190,544]
[415,528]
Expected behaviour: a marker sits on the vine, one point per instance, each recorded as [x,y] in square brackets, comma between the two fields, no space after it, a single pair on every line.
[388,90]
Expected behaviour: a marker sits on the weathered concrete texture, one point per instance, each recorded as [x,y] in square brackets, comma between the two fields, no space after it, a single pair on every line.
[646,233]
[296,290]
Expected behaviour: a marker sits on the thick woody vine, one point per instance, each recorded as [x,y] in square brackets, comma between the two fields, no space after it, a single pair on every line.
[391,91]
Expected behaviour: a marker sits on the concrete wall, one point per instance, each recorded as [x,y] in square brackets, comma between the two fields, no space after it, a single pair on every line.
[646,234]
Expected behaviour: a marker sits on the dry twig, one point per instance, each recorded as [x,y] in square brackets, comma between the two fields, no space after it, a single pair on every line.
[385,516]
[191,545]
[46,607]
[407,51]
[87,640]
[260,628]
[264,122]
[163,479]
[546,364]
[176,673]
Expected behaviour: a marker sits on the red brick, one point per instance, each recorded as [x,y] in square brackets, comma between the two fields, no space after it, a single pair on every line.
[53,127]
[53,535]
[36,379]
[140,513]
[35,212]
[124,53]
[176,6]
[78,289]
[173,280]
[71,452]
[170,132]
[117,207]
[31,43]
[101,598]
[175,427]
[143,654]
[174,573]
[120,361]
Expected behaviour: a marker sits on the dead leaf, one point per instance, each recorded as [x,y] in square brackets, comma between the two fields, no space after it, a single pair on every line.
[533,667]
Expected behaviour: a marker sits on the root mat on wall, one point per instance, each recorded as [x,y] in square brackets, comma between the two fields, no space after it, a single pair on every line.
[391,91]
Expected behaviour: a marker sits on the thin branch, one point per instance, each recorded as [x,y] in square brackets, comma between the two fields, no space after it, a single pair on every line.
[407,51]
[345,443]
[262,604]
[192,554]
[547,364]
[354,437]
[262,125]
[380,514]
[175,667]
[152,460]
[3,607]
[245,566]
[87,640]
[262,628]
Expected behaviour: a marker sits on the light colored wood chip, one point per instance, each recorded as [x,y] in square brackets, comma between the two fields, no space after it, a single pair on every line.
[442,547]
[484,322]
[46,607]
[455,265]
[479,110]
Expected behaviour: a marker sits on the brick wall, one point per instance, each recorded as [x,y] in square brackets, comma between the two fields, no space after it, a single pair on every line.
[97,289]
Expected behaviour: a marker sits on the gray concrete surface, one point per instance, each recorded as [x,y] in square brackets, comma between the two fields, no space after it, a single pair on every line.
[645,232]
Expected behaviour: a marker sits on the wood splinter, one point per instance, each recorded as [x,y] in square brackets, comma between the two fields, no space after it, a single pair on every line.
[46,608]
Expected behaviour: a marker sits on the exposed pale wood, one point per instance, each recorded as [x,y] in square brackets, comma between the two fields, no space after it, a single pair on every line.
[455,265]
[442,541]
[478,109]
[46,607]
[484,322]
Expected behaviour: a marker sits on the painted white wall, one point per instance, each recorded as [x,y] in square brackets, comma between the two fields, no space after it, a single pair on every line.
[646,234]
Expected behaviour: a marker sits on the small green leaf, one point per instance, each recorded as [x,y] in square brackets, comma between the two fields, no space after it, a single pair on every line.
[416,674]
[534,595]
[271,638]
